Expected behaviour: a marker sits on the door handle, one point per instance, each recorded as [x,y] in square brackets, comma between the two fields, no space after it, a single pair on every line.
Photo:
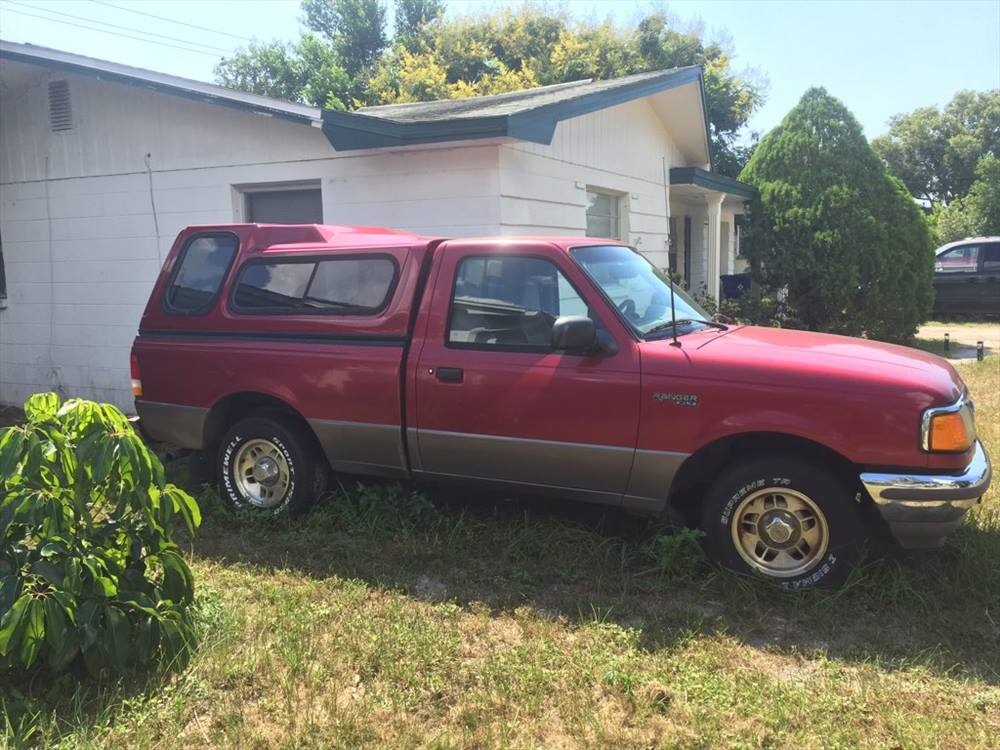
[450,374]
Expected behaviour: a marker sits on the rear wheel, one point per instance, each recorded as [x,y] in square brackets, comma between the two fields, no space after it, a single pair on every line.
[267,466]
[793,522]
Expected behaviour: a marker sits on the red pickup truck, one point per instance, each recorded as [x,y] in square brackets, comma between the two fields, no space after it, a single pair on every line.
[565,366]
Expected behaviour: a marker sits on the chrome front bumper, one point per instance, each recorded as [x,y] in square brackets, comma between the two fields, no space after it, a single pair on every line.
[922,509]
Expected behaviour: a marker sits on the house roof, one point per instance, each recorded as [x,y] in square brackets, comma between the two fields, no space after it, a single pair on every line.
[530,115]
[208,92]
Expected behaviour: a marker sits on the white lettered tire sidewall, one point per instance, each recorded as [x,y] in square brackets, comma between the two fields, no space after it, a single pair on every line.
[815,481]
[300,462]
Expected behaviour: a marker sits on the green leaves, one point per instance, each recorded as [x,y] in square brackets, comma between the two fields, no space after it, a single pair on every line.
[41,407]
[344,60]
[834,229]
[88,568]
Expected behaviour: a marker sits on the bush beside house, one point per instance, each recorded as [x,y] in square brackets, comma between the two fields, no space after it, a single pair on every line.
[843,237]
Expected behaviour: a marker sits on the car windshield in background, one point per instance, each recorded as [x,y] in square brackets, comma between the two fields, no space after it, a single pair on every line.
[639,290]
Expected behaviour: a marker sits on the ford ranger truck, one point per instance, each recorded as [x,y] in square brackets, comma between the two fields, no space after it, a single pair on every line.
[545,366]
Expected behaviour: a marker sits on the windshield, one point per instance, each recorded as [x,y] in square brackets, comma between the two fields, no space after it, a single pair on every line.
[638,289]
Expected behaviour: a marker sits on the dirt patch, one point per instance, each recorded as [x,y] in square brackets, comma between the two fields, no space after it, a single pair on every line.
[10,415]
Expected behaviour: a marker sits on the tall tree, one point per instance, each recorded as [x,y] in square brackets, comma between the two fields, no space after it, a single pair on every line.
[935,152]
[832,228]
[356,29]
[308,71]
[975,214]
[435,57]
[412,18]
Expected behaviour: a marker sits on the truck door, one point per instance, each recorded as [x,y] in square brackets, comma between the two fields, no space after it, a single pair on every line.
[494,401]
[956,280]
[989,277]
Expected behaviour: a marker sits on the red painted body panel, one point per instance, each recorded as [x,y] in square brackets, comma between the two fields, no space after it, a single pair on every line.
[524,395]
[861,399]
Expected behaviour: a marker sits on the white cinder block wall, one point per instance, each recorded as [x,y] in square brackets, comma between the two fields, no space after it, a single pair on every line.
[620,149]
[82,247]
[80,243]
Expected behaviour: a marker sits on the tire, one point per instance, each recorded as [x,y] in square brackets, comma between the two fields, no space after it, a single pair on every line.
[265,465]
[794,522]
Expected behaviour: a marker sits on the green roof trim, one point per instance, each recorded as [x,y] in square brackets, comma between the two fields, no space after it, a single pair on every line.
[533,118]
[711,181]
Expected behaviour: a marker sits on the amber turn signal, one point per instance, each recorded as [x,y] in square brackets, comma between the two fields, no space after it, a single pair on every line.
[950,432]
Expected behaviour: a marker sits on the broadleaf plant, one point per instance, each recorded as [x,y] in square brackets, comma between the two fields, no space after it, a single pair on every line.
[89,571]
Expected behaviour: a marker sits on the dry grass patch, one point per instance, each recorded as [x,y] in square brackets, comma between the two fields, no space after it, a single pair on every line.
[386,621]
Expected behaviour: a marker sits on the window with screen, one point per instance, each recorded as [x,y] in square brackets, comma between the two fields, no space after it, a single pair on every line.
[348,286]
[285,206]
[203,266]
[603,214]
[509,301]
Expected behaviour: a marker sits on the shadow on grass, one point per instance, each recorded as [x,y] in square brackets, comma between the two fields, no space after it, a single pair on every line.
[939,609]
[955,350]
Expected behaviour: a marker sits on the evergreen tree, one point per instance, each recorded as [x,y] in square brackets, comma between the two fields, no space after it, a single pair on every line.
[831,227]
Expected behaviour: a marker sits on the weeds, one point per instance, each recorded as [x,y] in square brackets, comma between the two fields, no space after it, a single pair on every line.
[390,617]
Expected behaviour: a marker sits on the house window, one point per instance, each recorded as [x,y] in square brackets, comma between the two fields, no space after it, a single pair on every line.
[291,204]
[742,237]
[603,214]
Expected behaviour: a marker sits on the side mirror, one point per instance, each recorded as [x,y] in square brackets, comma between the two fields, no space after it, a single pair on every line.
[573,333]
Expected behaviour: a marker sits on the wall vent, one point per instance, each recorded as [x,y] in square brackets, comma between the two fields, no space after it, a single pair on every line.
[60,108]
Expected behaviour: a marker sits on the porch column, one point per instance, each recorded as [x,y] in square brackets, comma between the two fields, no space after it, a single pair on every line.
[714,243]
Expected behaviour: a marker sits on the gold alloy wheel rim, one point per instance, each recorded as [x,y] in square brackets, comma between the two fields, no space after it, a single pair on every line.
[261,473]
[780,532]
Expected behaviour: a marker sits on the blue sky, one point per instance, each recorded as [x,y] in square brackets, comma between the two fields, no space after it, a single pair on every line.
[880,58]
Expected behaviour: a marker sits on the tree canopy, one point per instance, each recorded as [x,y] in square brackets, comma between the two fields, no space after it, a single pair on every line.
[832,228]
[936,152]
[947,159]
[346,59]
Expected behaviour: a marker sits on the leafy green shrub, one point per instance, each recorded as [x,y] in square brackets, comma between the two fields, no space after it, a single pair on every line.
[679,554]
[88,569]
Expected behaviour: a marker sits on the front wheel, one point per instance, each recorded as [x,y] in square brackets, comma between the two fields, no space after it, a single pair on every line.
[792,522]
[265,465]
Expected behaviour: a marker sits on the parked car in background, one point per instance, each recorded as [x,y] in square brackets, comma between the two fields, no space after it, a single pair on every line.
[561,366]
[967,278]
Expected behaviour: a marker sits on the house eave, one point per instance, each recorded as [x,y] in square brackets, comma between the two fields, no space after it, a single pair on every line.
[711,181]
[64,62]
[348,131]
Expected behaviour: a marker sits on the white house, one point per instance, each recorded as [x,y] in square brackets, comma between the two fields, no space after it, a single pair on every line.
[101,164]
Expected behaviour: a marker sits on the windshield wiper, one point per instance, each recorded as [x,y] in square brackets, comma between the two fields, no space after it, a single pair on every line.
[672,323]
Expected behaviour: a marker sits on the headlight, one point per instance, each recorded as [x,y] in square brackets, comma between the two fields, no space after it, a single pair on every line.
[949,429]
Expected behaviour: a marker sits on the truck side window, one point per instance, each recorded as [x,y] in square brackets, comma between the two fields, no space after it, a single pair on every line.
[962,259]
[509,301]
[203,266]
[991,257]
[347,286]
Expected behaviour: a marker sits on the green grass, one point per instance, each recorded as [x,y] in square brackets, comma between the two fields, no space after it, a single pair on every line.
[387,619]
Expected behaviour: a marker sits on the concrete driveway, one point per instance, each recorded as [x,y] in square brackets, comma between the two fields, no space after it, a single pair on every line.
[963,338]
